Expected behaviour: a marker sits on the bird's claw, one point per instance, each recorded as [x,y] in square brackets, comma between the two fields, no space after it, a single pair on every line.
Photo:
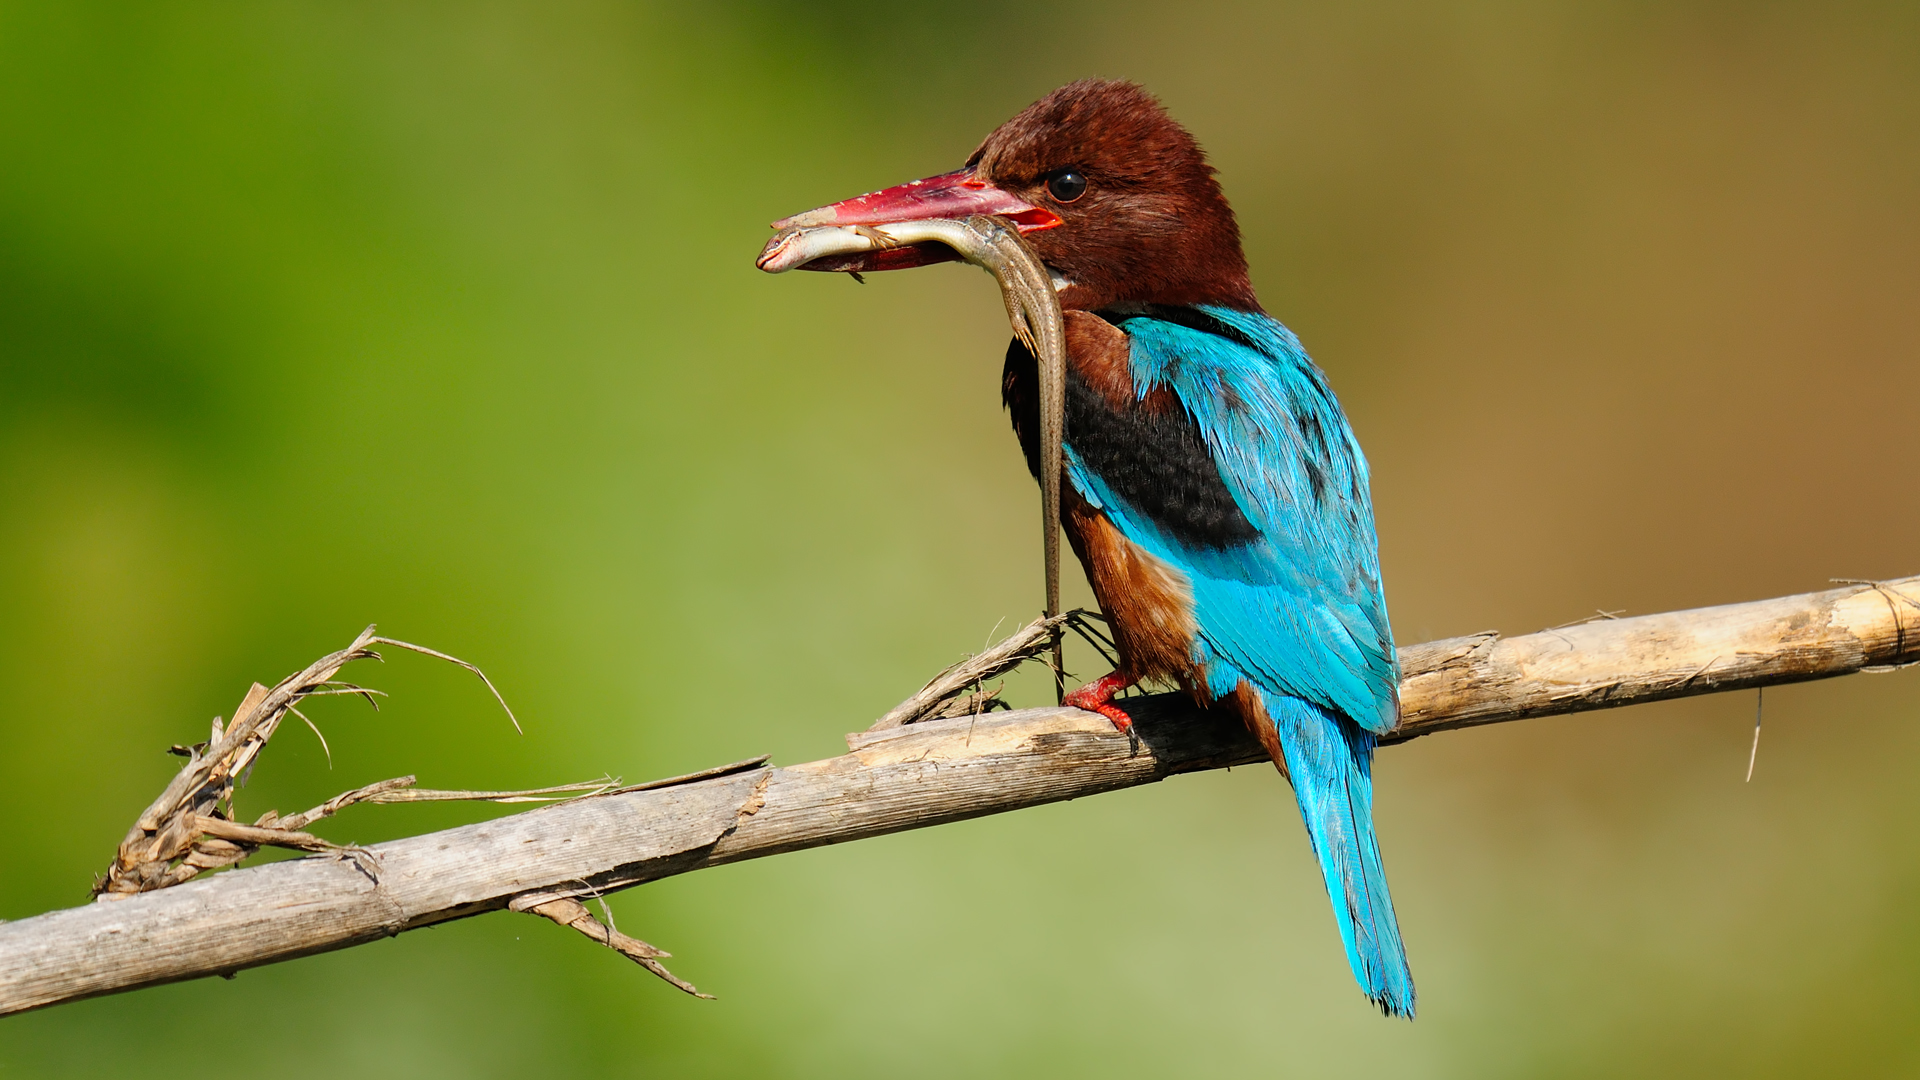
[1097,697]
[1121,721]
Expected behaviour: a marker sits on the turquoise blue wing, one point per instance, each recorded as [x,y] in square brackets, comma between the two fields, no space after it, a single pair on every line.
[1289,599]
[1298,609]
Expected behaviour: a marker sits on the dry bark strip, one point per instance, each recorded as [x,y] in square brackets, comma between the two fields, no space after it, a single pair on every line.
[899,778]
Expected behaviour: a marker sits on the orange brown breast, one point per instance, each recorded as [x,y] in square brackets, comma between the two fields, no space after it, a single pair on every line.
[1148,603]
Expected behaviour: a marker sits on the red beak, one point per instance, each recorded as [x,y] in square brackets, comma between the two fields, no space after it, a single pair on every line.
[949,195]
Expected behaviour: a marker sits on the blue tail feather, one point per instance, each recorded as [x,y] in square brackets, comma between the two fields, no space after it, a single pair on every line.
[1330,760]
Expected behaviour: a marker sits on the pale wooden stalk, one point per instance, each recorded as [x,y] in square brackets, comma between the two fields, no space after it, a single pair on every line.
[899,778]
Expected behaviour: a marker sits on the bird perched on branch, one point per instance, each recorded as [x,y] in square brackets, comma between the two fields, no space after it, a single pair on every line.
[1214,492]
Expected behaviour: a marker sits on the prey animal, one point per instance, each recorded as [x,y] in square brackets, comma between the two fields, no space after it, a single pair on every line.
[1208,480]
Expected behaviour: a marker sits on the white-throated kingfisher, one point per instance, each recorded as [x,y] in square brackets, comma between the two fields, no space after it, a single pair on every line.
[1214,492]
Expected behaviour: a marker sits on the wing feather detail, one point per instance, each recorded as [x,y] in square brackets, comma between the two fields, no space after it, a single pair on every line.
[1299,610]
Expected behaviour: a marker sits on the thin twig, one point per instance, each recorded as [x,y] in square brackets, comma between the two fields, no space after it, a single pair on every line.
[347,689]
[336,804]
[574,915]
[315,728]
[546,794]
[437,654]
[745,765]
[1028,643]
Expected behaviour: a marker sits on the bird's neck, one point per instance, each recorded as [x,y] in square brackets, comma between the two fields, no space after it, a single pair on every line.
[1192,275]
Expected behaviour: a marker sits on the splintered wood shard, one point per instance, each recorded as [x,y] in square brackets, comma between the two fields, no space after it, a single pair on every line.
[191,828]
[900,777]
[575,916]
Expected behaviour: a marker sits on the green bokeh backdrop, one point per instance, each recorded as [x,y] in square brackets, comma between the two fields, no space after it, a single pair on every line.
[445,316]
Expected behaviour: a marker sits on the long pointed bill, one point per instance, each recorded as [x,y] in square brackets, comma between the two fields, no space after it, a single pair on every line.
[906,226]
[953,196]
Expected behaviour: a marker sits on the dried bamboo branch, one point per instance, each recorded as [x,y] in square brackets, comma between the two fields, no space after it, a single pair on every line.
[897,778]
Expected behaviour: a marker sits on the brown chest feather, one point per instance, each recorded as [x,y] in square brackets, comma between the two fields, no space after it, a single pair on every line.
[1149,603]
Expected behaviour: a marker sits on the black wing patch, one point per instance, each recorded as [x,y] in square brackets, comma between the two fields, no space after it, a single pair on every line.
[1154,459]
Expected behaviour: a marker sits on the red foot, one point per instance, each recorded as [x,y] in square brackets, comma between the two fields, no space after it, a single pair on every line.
[1097,696]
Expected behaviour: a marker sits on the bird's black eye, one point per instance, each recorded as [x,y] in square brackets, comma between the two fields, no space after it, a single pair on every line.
[1067,185]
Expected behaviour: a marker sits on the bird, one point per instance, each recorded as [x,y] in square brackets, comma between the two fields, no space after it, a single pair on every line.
[1214,491]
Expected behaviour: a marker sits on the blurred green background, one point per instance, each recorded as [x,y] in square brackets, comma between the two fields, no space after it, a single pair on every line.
[445,316]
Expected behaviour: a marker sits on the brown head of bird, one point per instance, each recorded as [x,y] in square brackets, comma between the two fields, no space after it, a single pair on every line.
[1112,193]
